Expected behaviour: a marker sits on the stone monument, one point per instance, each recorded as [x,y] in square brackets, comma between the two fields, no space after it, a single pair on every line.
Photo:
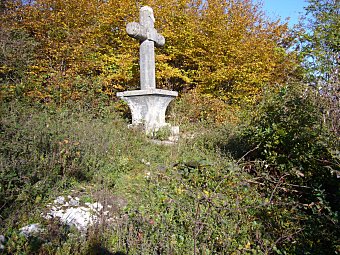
[148,105]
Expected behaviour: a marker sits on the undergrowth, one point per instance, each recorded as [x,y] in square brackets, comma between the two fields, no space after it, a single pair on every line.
[237,188]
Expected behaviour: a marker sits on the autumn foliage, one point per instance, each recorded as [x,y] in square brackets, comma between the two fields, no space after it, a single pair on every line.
[256,169]
[226,49]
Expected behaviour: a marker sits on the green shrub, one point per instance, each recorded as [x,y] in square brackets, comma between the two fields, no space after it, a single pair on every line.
[44,150]
[288,133]
[277,196]
[196,207]
[294,159]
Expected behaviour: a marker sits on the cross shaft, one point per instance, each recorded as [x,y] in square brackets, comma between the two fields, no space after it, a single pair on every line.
[148,36]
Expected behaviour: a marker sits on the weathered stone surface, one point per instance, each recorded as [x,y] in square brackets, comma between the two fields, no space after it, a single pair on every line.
[70,212]
[148,105]
[161,92]
[2,241]
[31,229]
[145,32]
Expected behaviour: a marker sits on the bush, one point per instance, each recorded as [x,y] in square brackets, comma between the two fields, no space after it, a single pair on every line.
[196,107]
[16,57]
[294,159]
[277,196]
[45,149]
[195,207]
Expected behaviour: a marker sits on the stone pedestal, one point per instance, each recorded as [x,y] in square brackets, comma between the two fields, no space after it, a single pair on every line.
[148,107]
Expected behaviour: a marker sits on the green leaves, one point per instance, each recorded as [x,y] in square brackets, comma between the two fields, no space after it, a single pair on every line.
[322,41]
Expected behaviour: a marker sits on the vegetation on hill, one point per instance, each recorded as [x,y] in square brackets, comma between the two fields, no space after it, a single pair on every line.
[257,167]
[228,49]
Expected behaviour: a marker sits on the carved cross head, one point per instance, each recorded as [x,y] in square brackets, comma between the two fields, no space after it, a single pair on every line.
[144,30]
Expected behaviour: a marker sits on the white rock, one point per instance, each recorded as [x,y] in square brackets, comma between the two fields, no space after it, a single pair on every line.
[2,240]
[72,214]
[47,216]
[146,162]
[74,202]
[147,175]
[96,206]
[30,229]
[78,217]
[59,200]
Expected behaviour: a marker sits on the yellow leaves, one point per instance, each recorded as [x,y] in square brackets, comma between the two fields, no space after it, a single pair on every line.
[166,71]
[225,48]
[206,193]
[4,69]
[35,69]
[247,246]
[206,108]
[179,191]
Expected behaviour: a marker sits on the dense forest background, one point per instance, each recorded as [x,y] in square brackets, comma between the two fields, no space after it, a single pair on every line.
[257,168]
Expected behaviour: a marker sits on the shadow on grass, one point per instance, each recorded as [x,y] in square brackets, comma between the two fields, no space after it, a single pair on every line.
[99,250]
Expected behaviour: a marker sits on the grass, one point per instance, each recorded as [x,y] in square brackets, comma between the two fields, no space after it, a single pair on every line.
[187,198]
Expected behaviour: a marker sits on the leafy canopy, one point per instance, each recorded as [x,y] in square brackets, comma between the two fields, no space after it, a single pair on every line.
[224,48]
[322,41]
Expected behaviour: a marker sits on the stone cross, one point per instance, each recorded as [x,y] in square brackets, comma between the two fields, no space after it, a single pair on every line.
[148,104]
[148,36]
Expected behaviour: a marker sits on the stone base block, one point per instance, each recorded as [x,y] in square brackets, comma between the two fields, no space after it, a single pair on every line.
[148,107]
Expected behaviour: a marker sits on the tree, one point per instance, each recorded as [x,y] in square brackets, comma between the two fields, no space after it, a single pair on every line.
[322,41]
[222,48]
[322,56]
[16,50]
[242,51]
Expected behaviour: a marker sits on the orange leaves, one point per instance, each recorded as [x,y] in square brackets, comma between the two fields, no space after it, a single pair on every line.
[196,106]
[240,49]
[225,48]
